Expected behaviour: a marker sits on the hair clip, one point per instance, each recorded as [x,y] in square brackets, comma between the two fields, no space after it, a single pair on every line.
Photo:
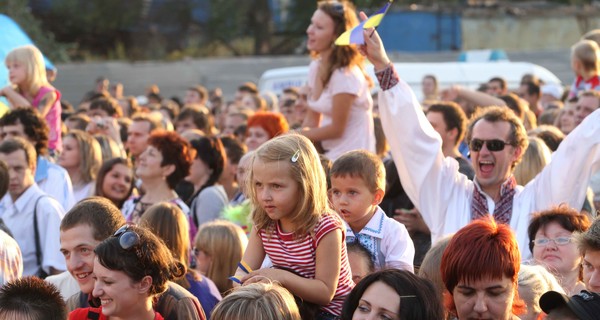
[296,156]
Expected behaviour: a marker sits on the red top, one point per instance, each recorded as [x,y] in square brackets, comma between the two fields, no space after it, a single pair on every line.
[83,314]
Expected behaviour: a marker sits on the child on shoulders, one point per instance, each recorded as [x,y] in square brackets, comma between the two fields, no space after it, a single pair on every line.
[295,227]
[585,62]
[357,188]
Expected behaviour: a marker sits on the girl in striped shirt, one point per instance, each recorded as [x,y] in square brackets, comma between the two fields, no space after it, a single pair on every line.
[295,227]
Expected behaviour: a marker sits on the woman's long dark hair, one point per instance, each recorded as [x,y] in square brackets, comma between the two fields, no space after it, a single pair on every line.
[211,151]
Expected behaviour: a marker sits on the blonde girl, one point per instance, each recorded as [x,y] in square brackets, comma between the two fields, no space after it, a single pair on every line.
[82,158]
[295,227]
[30,87]
[218,247]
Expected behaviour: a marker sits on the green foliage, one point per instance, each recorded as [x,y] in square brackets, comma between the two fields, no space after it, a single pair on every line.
[96,26]
[19,11]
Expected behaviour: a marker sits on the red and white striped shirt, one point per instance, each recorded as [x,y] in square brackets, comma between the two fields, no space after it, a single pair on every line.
[299,256]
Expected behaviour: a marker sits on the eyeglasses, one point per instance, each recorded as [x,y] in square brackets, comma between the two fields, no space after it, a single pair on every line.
[127,237]
[560,241]
[492,145]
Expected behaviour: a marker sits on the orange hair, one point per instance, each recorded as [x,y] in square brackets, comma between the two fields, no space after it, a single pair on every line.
[274,123]
[482,250]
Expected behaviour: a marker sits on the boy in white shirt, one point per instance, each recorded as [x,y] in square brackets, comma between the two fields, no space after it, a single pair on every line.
[357,188]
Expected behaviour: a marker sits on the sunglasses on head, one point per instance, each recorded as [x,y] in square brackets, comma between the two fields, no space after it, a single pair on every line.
[491,145]
[338,8]
[127,237]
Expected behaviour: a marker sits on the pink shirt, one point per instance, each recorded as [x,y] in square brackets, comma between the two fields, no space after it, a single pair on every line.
[52,118]
[299,256]
[359,132]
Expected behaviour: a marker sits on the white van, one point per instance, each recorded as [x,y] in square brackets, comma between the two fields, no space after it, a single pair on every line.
[466,74]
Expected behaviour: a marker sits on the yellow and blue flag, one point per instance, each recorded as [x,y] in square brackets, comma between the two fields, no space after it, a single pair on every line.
[355,35]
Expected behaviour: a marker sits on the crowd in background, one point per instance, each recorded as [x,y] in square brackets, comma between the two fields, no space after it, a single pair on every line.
[334,200]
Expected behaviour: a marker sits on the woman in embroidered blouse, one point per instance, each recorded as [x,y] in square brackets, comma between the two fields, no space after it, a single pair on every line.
[164,163]
[339,98]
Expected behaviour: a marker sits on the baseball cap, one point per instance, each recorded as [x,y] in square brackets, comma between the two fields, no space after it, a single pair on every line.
[585,304]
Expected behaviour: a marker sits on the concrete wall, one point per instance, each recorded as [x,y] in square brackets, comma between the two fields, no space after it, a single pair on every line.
[75,79]
[524,33]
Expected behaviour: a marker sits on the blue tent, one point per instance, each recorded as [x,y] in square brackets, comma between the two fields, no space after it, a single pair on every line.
[12,36]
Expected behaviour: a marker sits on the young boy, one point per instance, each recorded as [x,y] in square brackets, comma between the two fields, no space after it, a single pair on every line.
[357,188]
[585,62]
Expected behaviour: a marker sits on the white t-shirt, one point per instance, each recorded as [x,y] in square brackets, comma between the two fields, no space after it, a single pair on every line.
[359,132]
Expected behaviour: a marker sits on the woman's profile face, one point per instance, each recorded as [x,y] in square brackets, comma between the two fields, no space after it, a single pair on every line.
[69,157]
[379,301]
[119,295]
[320,32]
[484,299]
[199,172]
[149,164]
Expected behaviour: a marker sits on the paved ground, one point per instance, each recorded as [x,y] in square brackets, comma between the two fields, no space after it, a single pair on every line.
[174,77]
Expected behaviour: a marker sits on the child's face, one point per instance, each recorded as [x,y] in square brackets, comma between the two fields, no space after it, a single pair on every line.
[276,191]
[17,72]
[353,200]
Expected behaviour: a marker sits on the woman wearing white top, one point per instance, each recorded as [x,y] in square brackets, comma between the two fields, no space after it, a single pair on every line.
[339,98]
[82,158]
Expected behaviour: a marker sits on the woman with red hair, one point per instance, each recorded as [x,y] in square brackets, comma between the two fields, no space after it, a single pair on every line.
[263,126]
[480,269]
[164,163]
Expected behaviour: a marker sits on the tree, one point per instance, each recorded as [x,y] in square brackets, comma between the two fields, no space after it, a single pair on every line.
[19,11]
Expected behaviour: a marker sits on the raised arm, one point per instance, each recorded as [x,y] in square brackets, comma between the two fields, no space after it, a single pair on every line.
[477,98]
[428,178]
[566,177]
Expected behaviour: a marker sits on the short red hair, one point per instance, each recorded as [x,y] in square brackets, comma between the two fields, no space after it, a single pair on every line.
[482,250]
[274,123]
[176,151]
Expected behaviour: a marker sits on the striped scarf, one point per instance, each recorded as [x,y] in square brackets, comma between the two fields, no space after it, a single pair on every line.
[503,210]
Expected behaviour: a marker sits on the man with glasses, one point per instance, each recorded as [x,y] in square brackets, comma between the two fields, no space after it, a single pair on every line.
[90,222]
[446,199]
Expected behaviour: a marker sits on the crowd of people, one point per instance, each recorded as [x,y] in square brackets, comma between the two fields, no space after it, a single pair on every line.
[470,204]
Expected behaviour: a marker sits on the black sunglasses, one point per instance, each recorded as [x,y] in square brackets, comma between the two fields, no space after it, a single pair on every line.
[127,237]
[492,145]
